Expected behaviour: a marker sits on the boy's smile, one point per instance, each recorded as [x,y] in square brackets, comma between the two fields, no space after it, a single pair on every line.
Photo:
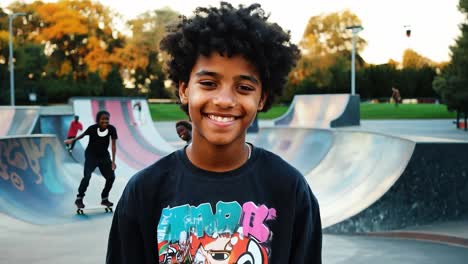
[223,96]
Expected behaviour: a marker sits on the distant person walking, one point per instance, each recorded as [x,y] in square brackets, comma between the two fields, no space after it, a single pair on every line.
[75,126]
[184,130]
[396,96]
[96,155]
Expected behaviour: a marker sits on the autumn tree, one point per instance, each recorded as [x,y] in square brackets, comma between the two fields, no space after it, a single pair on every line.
[327,34]
[142,57]
[412,59]
[326,50]
[78,37]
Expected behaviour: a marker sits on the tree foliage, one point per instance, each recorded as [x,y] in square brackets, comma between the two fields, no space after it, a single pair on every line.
[412,59]
[326,62]
[452,84]
[147,31]
[327,34]
[66,44]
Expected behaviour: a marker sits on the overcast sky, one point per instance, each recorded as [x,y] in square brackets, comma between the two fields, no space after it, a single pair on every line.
[434,23]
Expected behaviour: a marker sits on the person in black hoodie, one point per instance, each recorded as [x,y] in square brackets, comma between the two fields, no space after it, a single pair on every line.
[97,155]
[220,199]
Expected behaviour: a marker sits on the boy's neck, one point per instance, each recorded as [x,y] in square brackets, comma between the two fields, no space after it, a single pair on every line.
[218,158]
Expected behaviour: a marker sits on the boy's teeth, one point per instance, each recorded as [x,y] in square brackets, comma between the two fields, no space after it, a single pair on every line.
[221,118]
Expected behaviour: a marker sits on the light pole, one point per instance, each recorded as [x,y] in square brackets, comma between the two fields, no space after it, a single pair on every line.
[355,30]
[12,74]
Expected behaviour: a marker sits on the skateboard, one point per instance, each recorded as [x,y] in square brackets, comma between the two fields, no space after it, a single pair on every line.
[81,211]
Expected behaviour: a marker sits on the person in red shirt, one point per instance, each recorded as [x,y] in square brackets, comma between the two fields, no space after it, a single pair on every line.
[75,126]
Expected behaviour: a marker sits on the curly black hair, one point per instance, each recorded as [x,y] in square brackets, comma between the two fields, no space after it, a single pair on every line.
[101,113]
[232,31]
[184,123]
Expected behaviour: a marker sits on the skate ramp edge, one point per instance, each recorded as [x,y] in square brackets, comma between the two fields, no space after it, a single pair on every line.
[18,120]
[432,189]
[358,169]
[303,148]
[347,170]
[321,111]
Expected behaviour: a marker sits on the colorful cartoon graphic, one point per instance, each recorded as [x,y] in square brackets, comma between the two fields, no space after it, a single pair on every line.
[232,235]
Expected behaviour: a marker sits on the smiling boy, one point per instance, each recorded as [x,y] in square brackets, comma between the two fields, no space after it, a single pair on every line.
[220,199]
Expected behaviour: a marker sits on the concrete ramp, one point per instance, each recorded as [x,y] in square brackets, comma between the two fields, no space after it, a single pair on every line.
[139,144]
[36,180]
[19,120]
[321,111]
[348,171]
[58,125]
[39,181]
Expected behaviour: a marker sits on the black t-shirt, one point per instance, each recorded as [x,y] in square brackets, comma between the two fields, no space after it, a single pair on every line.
[99,140]
[173,212]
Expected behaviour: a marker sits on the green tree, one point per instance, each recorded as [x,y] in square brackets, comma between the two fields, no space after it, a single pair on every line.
[114,84]
[452,84]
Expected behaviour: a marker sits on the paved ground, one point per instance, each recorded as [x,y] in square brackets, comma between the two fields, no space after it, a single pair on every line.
[433,130]
[86,242]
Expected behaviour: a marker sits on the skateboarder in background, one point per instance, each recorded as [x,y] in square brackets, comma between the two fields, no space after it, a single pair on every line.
[221,199]
[137,105]
[184,130]
[396,96]
[75,126]
[97,155]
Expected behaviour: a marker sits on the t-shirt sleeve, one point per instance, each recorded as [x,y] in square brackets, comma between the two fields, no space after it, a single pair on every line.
[80,126]
[125,244]
[307,231]
[88,131]
[114,133]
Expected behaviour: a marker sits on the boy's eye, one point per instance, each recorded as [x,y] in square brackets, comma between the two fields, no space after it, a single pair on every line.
[208,83]
[246,88]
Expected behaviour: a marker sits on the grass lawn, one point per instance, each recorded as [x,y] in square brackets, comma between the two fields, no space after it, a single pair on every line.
[405,111]
[171,112]
[166,112]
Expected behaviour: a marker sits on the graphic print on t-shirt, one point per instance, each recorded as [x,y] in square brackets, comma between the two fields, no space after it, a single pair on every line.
[233,234]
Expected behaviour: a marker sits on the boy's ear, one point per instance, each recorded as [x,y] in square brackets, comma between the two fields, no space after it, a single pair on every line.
[262,101]
[183,92]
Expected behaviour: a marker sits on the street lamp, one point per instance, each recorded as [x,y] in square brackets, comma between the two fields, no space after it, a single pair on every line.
[12,74]
[355,30]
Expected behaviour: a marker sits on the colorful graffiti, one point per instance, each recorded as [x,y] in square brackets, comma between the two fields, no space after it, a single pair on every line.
[233,234]
[20,158]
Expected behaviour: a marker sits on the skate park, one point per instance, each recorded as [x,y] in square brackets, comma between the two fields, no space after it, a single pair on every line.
[389,191]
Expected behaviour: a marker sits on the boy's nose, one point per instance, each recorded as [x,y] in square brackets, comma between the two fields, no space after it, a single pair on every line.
[225,98]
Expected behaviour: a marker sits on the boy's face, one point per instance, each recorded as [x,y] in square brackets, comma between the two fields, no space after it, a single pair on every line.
[103,121]
[183,133]
[223,95]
